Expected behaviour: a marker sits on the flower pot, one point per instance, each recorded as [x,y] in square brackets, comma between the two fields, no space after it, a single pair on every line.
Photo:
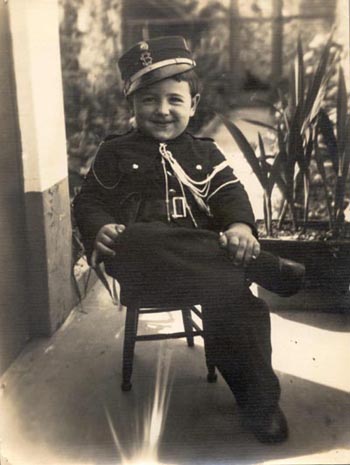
[327,277]
[307,300]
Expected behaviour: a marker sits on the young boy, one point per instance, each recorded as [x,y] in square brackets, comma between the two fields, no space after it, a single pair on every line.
[172,223]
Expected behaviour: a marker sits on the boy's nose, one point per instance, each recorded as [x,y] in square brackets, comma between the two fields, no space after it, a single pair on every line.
[163,107]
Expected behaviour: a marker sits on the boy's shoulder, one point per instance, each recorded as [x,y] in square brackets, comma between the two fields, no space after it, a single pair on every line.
[202,144]
[199,139]
[115,138]
[115,145]
[107,150]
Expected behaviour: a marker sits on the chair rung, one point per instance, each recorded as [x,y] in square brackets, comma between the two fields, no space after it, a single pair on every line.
[159,310]
[158,337]
[195,326]
[196,311]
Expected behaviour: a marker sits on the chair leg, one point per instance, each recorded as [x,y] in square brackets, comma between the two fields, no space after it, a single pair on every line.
[131,323]
[187,321]
[211,376]
[209,350]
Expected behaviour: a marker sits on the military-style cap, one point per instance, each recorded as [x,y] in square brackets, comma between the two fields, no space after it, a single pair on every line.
[152,60]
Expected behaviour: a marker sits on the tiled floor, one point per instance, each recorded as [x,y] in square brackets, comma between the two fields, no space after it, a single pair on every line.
[55,396]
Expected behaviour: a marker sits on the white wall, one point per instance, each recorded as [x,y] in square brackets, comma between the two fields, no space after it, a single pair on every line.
[36,55]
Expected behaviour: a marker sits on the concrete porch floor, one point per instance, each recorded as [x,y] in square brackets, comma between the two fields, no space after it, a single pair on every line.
[53,398]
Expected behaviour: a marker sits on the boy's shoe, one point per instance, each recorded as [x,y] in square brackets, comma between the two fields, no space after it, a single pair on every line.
[271,429]
[279,275]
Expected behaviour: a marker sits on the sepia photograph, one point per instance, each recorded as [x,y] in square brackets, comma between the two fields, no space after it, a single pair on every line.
[175,232]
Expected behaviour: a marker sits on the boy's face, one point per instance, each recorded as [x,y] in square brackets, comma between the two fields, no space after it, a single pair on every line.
[163,109]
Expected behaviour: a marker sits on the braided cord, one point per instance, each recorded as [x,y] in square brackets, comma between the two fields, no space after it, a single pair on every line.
[187,180]
[166,180]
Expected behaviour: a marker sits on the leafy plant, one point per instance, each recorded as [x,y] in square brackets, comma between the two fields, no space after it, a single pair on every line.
[266,173]
[300,121]
[338,149]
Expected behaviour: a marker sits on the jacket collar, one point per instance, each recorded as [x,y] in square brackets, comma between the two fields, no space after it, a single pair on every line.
[182,138]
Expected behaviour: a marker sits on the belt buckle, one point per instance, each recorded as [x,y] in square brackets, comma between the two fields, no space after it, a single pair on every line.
[179,207]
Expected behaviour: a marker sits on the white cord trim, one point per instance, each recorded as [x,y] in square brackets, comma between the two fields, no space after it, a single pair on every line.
[166,180]
[96,177]
[199,193]
[234,181]
[188,208]
[187,180]
[160,64]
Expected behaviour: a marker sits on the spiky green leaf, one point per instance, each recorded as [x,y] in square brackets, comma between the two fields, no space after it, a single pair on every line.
[299,74]
[325,127]
[341,111]
[259,123]
[309,148]
[295,149]
[292,98]
[264,165]
[282,99]
[306,198]
[317,81]
[246,149]
[346,153]
[276,173]
[322,171]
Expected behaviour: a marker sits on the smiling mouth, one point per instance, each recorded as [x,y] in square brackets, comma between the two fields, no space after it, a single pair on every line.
[162,123]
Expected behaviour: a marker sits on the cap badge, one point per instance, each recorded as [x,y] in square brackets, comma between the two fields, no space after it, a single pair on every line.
[146,58]
[144,46]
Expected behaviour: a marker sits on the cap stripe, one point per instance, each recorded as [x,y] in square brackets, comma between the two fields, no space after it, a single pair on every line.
[159,64]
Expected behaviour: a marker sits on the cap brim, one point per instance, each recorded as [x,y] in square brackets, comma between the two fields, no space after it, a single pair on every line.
[157,75]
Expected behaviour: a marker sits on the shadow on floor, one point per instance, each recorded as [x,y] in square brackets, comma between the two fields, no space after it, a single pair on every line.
[339,322]
[316,417]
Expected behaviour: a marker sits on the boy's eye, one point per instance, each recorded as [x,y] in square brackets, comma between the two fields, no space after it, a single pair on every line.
[148,99]
[176,100]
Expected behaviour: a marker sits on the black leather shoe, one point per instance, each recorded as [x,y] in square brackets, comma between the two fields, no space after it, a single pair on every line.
[279,275]
[271,429]
[292,276]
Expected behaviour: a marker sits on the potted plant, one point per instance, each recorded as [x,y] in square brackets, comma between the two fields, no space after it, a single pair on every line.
[309,166]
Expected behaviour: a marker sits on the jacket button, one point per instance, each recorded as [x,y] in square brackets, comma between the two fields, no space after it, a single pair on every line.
[199,167]
[135,166]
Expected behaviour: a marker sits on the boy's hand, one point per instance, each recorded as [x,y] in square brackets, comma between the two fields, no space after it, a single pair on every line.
[106,238]
[241,244]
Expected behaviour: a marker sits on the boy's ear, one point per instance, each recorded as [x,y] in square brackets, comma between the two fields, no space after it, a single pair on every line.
[195,101]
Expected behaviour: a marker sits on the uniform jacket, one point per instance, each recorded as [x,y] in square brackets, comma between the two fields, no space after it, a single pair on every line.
[126,184]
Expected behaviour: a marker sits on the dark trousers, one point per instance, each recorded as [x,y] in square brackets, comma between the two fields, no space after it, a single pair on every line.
[157,264]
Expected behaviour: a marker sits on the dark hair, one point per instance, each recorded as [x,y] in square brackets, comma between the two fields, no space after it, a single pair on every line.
[192,78]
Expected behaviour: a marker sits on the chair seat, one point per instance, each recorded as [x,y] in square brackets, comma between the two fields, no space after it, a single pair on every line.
[175,304]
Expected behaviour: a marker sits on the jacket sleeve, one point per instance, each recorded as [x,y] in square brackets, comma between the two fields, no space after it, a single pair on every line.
[227,198]
[92,206]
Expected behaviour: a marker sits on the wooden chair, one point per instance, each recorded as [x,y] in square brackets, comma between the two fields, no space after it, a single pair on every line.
[191,330]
